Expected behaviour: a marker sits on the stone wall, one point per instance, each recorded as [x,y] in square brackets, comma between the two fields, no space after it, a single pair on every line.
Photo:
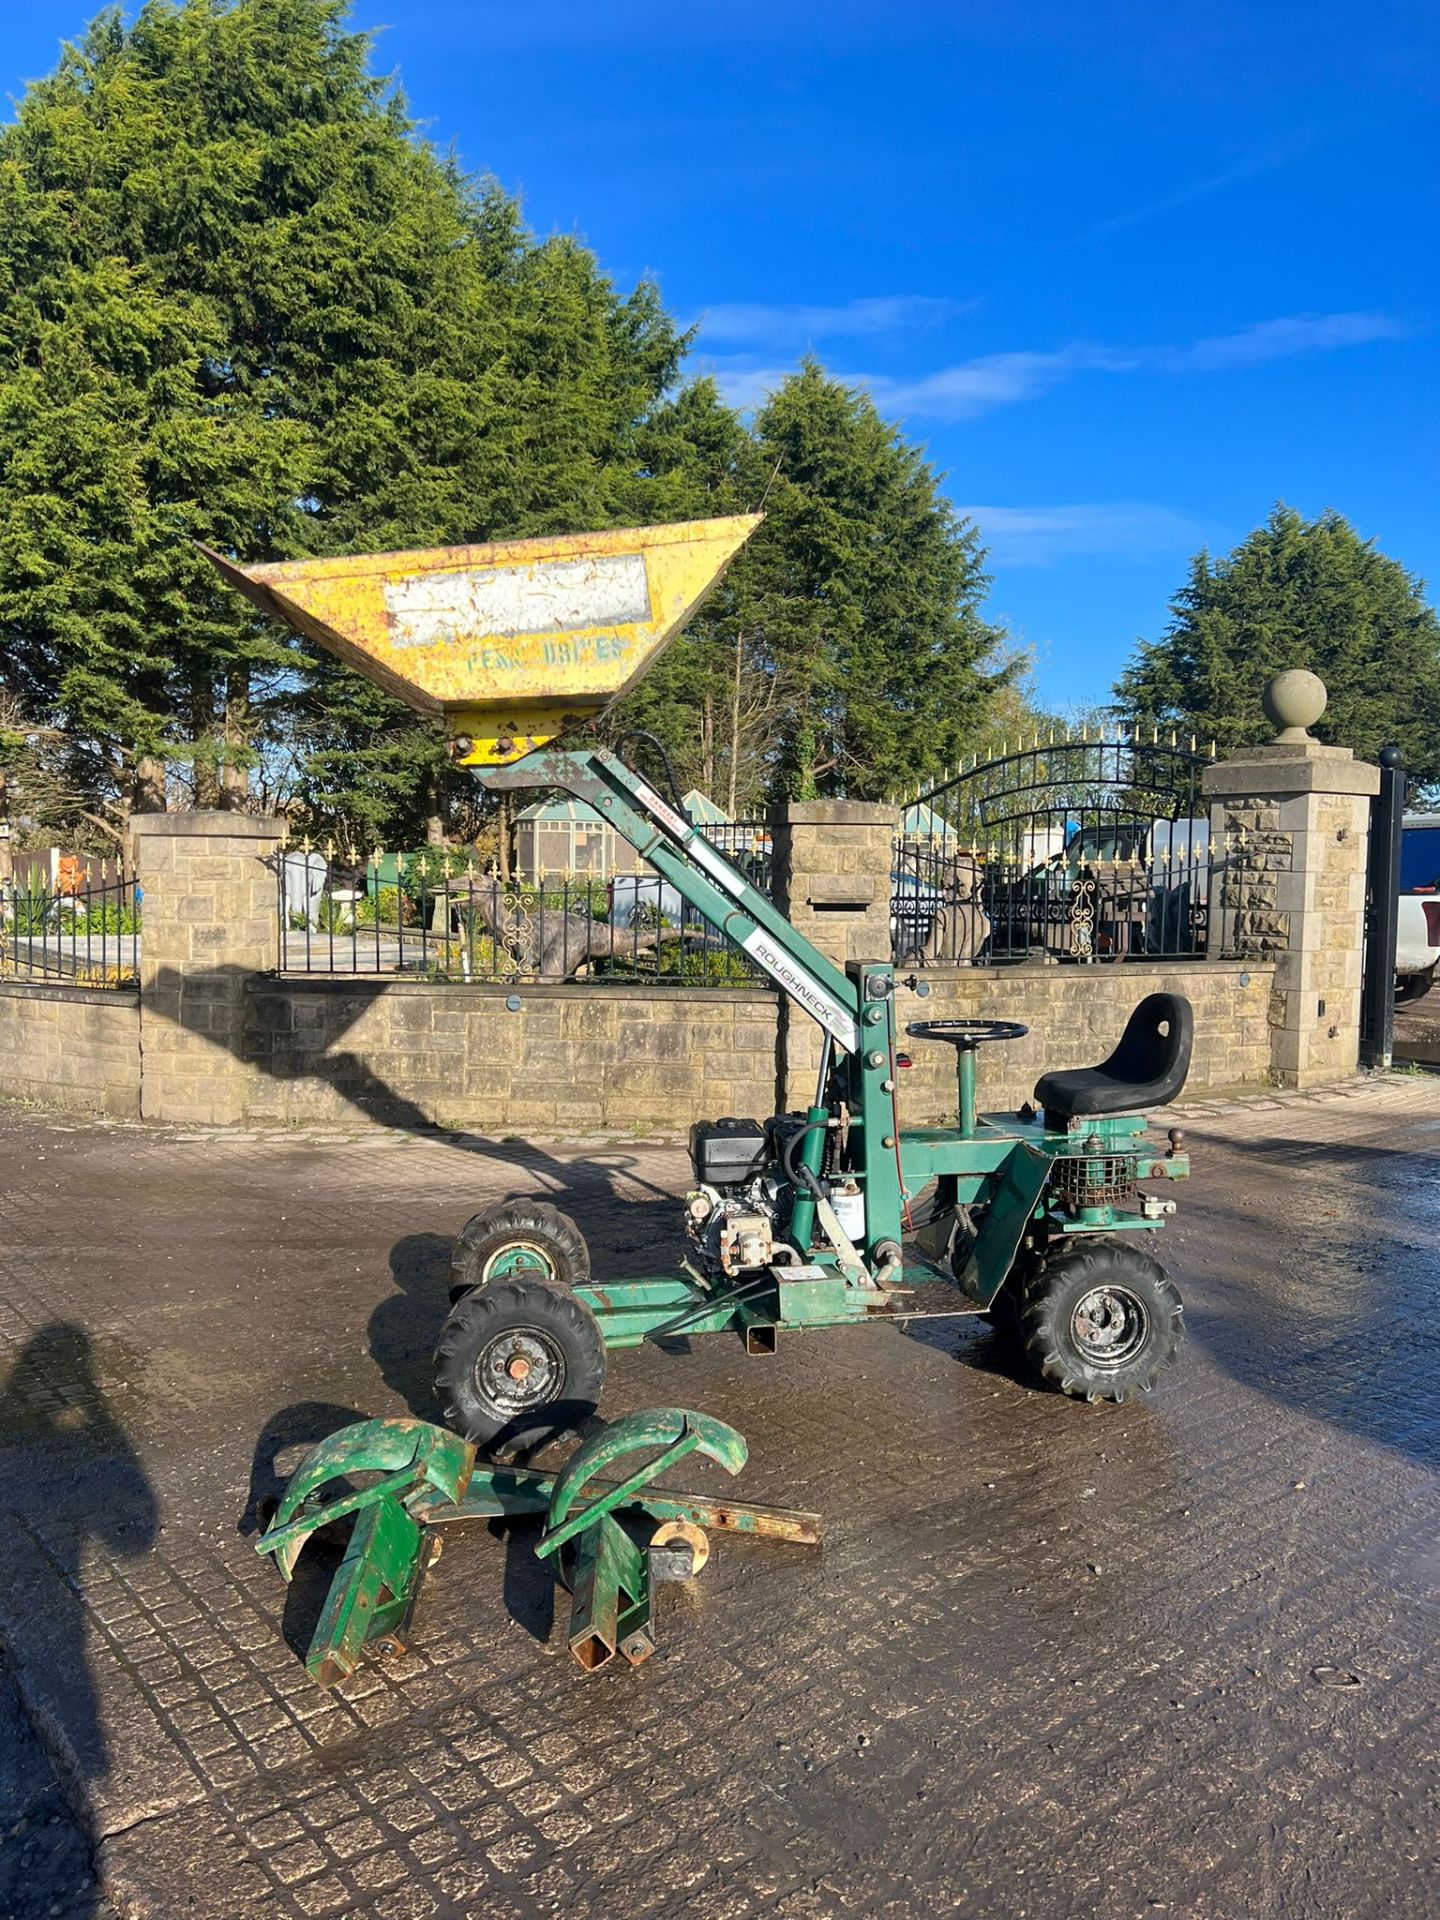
[72,1047]
[219,1038]
[1075,1015]
[582,1059]
[628,1059]
[496,1060]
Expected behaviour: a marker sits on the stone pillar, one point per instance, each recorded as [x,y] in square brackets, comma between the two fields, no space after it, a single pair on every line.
[209,891]
[1290,831]
[831,880]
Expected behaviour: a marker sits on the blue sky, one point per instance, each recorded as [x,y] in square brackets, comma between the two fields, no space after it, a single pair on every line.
[1131,272]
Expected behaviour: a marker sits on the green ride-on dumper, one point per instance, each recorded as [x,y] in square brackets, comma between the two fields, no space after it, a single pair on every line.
[795,1221]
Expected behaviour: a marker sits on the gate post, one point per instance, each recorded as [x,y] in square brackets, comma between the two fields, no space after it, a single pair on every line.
[1289,833]
[1382,912]
[211,922]
[831,880]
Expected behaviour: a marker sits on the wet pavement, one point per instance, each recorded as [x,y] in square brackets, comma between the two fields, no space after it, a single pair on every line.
[1417,1030]
[1053,1661]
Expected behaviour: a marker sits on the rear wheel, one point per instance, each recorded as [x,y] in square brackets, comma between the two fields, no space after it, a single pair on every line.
[520,1363]
[1100,1320]
[519,1240]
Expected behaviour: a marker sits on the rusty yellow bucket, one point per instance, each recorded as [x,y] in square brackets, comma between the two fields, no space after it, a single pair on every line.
[514,642]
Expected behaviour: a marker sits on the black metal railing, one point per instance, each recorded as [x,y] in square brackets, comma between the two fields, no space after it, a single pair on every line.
[440,916]
[82,935]
[1077,848]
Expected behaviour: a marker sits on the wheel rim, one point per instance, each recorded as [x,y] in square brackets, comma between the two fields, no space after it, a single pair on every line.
[1109,1327]
[520,1258]
[520,1369]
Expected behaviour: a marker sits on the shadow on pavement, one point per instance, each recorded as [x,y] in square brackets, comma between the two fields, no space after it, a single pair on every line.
[405,1325]
[73,1482]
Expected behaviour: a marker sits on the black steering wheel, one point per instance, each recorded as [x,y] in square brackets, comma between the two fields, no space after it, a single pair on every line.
[967,1034]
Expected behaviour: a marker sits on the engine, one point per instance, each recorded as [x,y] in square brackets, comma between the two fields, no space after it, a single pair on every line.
[738,1212]
[731,1213]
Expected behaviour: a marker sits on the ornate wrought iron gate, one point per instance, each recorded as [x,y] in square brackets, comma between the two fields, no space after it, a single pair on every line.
[1076,847]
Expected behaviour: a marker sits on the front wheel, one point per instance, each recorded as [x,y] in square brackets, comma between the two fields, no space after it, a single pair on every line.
[1101,1320]
[520,1363]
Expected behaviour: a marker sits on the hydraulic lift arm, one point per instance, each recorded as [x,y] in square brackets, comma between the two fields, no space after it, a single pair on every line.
[702,876]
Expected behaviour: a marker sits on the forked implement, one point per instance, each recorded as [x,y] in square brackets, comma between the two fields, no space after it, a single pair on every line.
[405,1482]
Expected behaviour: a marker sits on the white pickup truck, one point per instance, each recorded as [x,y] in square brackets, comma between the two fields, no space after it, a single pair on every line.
[1417,933]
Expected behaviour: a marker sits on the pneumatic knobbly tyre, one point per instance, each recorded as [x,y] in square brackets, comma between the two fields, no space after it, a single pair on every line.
[1100,1320]
[519,1239]
[520,1363]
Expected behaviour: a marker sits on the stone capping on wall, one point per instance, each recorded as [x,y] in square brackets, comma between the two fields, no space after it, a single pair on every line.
[213,822]
[833,813]
[81,996]
[1292,769]
[501,990]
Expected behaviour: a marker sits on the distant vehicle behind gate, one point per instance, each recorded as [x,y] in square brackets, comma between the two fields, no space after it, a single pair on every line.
[1417,933]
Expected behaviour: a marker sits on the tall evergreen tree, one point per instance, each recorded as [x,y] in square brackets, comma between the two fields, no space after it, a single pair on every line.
[711,698]
[844,653]
[241,302]
[867,591]
[1297,593]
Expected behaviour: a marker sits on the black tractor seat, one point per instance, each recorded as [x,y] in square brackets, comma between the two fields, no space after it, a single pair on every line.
[1147,1068]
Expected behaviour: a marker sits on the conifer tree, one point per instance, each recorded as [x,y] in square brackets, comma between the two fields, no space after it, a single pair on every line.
[241,302]
[1297,593]
[844,653]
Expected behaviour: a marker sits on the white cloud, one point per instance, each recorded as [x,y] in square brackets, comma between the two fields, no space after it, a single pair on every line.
[954,393]
[978,386]
[1039,536]
[993,380]
[1280,339]
[741,322]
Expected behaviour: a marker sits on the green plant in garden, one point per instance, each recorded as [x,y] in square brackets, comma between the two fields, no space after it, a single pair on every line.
[333,916]
[711,967]
[387,907]
[34,907]
[99,917]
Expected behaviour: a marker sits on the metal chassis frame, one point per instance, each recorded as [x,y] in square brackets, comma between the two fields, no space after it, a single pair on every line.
[1001,1158]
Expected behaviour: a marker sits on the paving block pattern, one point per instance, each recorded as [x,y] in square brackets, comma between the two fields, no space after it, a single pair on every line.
[1052,1661]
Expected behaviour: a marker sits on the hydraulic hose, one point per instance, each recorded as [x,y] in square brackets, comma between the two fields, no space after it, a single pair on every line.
[802,1175]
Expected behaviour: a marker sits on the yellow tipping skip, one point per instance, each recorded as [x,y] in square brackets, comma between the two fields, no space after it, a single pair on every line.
[513,642]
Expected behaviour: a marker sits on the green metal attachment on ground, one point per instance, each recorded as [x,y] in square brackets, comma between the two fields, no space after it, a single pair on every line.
[416,1479]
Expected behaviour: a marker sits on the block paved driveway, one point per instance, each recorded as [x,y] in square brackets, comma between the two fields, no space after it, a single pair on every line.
[1053,1660]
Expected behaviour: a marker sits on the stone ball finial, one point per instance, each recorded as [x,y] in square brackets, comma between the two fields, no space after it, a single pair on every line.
[1293,702]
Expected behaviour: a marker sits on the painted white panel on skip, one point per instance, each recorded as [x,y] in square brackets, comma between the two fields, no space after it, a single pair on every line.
[550,596]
